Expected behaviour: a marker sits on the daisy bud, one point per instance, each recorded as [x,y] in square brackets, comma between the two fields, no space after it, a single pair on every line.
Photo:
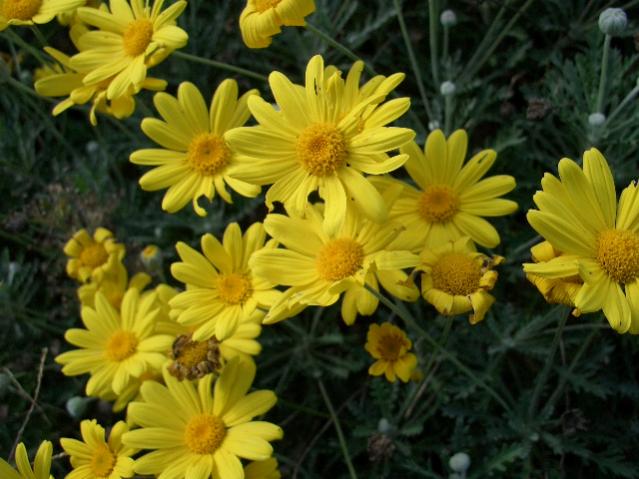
[385,427]
[459,462]
[92,147]
[151,257]
[433,125]
[77,406]
[447,88]
[613,21]
[596,119]
[448,18]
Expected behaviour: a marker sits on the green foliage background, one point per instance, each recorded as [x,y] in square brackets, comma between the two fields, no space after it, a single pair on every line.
[527,74]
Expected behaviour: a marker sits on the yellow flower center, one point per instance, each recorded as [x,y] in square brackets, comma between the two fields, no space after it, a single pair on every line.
[137,36]
[456,274]
[20,9]
[438,204]
[204,434]
[121,345]
[390,345]
[618,255]
[339,259]
[208,154]
[94,255]
[234,288]
[263,5]
[321,149]
[194,359]
[102,461]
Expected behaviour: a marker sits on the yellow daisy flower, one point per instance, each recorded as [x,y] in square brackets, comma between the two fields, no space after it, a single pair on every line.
[554,290]
[307,145]
[94,457]
[389,345]
[92,257]
[165,322]
[222,291]
[261,19]
[28,12]
[42,463]
[69,18]
[266,469]
[129,39]
[450,200]
[456,279]
[113,284]
[578,215]
[196,434]
[115,346]
[131,391]
[195,159]
[320,267]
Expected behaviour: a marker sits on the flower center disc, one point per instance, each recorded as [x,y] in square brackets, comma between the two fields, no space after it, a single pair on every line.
[263,5]
[102,461]
[339,259]
[234,288]
[20,9]
[321,149]
[204,434]
[390,346]
[456,274]
[94,255]
[194,359]
[208,154]
[618,255]
[137,36]
[121,345]
[438,204]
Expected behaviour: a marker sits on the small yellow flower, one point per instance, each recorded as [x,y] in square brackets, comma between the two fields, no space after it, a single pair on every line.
[92,257]
[25,471]
[94,457]
[389,345]
[28,12]
[456,279]
[113,284]
[261,19]
[266,469]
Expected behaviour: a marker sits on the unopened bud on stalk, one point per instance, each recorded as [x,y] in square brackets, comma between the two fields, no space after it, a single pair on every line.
[613,21]
[459,462]
[596,119]
[447,88]
[448,18]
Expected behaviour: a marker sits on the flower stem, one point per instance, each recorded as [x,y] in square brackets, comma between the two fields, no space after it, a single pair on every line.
[448,114]
[433,14]
[603,79]
[220,65]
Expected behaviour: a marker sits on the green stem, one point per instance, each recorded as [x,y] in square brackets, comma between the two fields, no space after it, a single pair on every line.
[220,65]
[445,47]
[413,59]
[629,97]
[13,37]
[603,79]
[433,17]
[541,379]
[448,114]
[410,321]
[338,428]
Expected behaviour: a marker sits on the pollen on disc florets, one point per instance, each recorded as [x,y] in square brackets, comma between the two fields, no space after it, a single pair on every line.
[194,359]
[137,36]
[121,345]
[208,154]
[204,434]
[390,345]
[618,255]
[102,461]
[456,274]
[234,288]
[94,255]
[438,203]
[321,149]
[339,259]
[20,9]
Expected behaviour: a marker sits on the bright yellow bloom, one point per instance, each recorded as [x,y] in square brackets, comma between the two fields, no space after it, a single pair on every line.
[196,434]
[128,40]
[313,142]
[449,200]
[92,257]
[222,290]
[578,215]
[261,19]
[266,469]
[116,345]
[94,457]
[41,467]
[320,267]
[165,323]
[113,284]
[456,279]
[195,159]
[389,345]
[69,18]
[28,12]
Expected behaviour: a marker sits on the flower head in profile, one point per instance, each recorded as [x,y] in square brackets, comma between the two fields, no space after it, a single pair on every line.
[42,463]
[90,257]
[28,12]
[266,469]
[450,200]
[390,347]
[456,279]
[311,143]
[115,346]
[129,39]
[578,214]
[222,290]
[113,284]
[203,432]
[97,457]
[261,19]
[195,159]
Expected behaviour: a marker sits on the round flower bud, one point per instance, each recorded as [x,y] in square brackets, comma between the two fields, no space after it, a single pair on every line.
[433,125]
[613,21]
[448,18]
[77,406]
[151,257]
[92,147]
[447,88]
[384,427]
[596,119]
[459,462]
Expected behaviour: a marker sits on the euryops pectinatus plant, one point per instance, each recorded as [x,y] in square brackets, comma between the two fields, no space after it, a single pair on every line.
[335,239]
